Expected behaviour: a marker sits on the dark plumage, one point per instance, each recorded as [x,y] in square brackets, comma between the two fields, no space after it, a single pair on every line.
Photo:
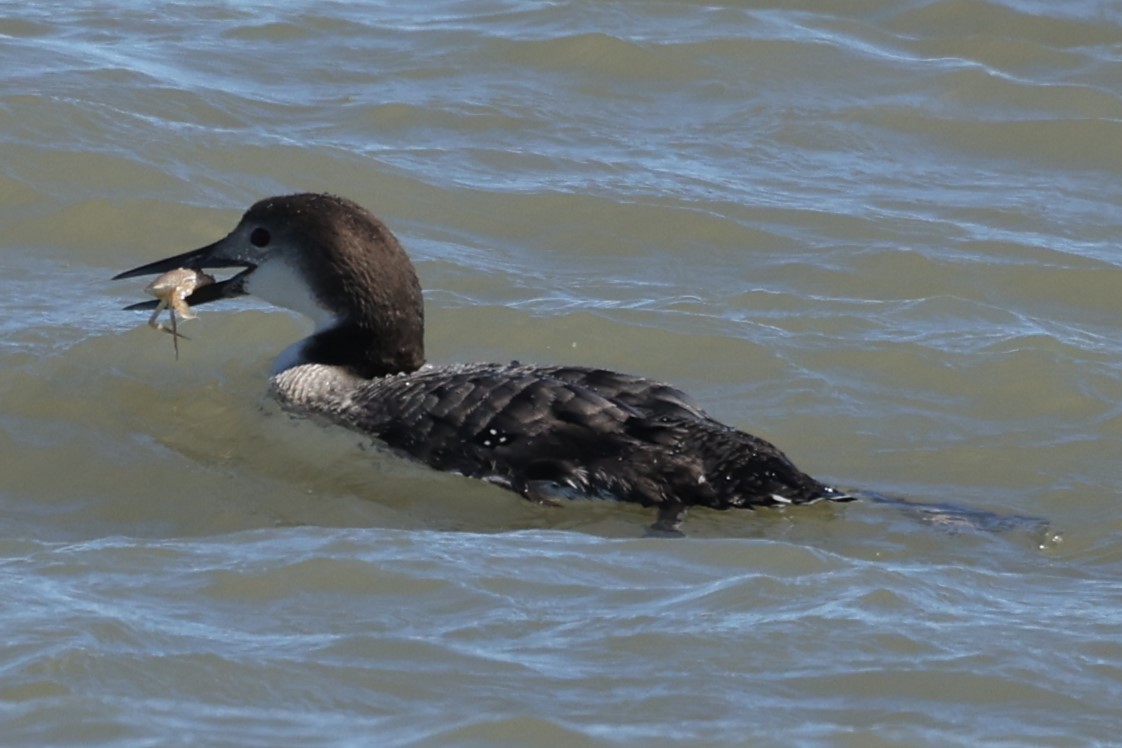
[542,431]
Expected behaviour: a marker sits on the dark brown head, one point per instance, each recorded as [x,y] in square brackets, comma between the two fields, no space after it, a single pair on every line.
[331,260]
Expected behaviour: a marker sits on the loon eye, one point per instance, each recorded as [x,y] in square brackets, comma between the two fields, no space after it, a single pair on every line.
[259,238]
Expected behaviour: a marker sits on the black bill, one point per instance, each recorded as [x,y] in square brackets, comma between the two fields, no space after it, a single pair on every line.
[210,256]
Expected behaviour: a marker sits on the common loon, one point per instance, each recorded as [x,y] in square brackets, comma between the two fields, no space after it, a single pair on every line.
[541,431]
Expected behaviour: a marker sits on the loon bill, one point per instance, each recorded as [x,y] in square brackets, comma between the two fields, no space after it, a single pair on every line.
[542,431]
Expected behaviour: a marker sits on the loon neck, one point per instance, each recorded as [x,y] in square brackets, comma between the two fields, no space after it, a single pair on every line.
[363,350]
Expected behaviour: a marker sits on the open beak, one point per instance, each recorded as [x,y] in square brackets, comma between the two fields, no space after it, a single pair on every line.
[211,256]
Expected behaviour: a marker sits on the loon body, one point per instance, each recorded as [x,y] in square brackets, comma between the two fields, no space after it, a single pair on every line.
[538,430]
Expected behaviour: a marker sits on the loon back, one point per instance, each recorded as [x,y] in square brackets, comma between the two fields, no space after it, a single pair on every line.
[545,431]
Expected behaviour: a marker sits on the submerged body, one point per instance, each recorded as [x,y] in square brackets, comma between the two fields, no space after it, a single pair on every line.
[542,431]
[547,432]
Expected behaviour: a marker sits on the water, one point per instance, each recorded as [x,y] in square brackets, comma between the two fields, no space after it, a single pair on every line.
[882,235]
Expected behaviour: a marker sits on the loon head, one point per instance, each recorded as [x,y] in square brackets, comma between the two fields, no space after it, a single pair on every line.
[329,259]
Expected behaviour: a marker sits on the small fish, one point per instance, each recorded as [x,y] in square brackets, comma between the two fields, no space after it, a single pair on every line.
[172,289]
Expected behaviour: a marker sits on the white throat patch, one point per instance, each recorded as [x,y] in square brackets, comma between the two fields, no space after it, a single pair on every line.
[278,282]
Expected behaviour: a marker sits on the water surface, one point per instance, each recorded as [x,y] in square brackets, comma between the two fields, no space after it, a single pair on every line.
[882,236]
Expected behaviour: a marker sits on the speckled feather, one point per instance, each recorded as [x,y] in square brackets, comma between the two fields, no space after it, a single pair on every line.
[541,431]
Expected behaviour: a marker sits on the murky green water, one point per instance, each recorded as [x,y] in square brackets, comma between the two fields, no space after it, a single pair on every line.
[883,236]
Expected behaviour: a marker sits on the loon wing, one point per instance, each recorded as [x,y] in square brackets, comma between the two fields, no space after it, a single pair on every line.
[647,396]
